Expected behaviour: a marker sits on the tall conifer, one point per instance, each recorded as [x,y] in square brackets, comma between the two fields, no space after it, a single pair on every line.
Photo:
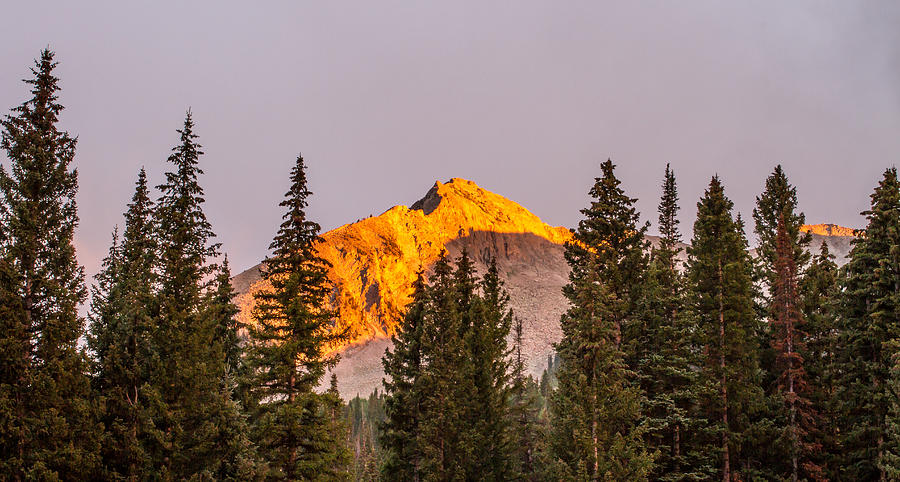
[403,366]
[800,429]
[193,412]
[870,304]
[120,327]
[56,423]
[595,410]
[721,300]
[290,340]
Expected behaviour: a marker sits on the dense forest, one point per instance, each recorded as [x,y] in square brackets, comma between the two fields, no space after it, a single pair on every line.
[773,366]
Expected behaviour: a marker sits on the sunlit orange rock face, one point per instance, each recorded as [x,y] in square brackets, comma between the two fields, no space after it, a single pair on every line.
[828,230]
[375,261]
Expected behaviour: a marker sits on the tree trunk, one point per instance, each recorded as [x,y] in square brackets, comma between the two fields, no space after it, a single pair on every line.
[726,462]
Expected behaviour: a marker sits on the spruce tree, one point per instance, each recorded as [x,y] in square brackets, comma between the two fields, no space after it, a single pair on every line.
[524,414]
[446,387]
[193,410]
[290,340]
[487,350]
[779,199]
[868,329]
[55,421]
[664,355]
[595,410]
[119,337]
[721,301]
[819,292]
[611,239]
[403,366]
[800,427]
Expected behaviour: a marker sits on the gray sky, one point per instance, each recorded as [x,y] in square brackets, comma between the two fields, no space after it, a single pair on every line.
[525,98]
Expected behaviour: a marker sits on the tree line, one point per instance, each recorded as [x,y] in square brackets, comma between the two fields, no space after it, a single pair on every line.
[729,366]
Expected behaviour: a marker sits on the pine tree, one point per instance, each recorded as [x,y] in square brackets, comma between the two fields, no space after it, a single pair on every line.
[819,289]
[721,300]
[595,408]
[194,409]
[119,337]
[595,411]
[403,366]
[779,199]
[443,427]
[611,239]
[55,415]
[14,372]
[870,304]
[664,356]
[789,340]
[290,339]
[487,355]
[524,414]
[223,311]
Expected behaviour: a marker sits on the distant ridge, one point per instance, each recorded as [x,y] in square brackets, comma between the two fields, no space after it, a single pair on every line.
[375,261]
[830,230]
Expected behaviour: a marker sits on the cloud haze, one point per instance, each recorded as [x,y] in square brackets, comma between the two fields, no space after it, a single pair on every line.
[525,98]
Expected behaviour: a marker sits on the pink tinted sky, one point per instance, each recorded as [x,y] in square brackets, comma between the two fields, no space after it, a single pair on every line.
[525,98]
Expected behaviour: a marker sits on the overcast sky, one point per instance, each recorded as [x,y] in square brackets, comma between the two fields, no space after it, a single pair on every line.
[525,98]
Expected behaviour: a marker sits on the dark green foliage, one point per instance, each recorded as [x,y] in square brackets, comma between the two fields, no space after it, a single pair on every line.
[445,388]
[525,410]
[819,291]
[779,199]
[120,328]
[448,380]
[489,370]
[55,429]
[595,412]
[664,356]
[868,332]
[365,416]
[195,409]
[289,349]
[403,368]
[720,299]
[611,239]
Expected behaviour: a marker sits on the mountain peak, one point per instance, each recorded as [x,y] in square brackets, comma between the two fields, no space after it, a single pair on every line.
[828,229]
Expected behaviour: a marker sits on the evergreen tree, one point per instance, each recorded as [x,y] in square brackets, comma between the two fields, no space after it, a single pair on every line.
[819,290]
[446,387]
[14,373]
[665,358]
[801,420]
[55,419]
[487,356]
[223,312]
[868,329]
[120,326]
[194,410]
[524,413]
[403,368]
[595,411]
[721,301]
[779,199]
[611,239]
[289,347]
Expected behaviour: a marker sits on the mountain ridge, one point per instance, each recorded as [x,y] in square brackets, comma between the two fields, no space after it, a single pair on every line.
[376,259]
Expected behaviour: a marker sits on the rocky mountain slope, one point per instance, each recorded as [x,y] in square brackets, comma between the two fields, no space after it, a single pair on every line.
[375,260]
